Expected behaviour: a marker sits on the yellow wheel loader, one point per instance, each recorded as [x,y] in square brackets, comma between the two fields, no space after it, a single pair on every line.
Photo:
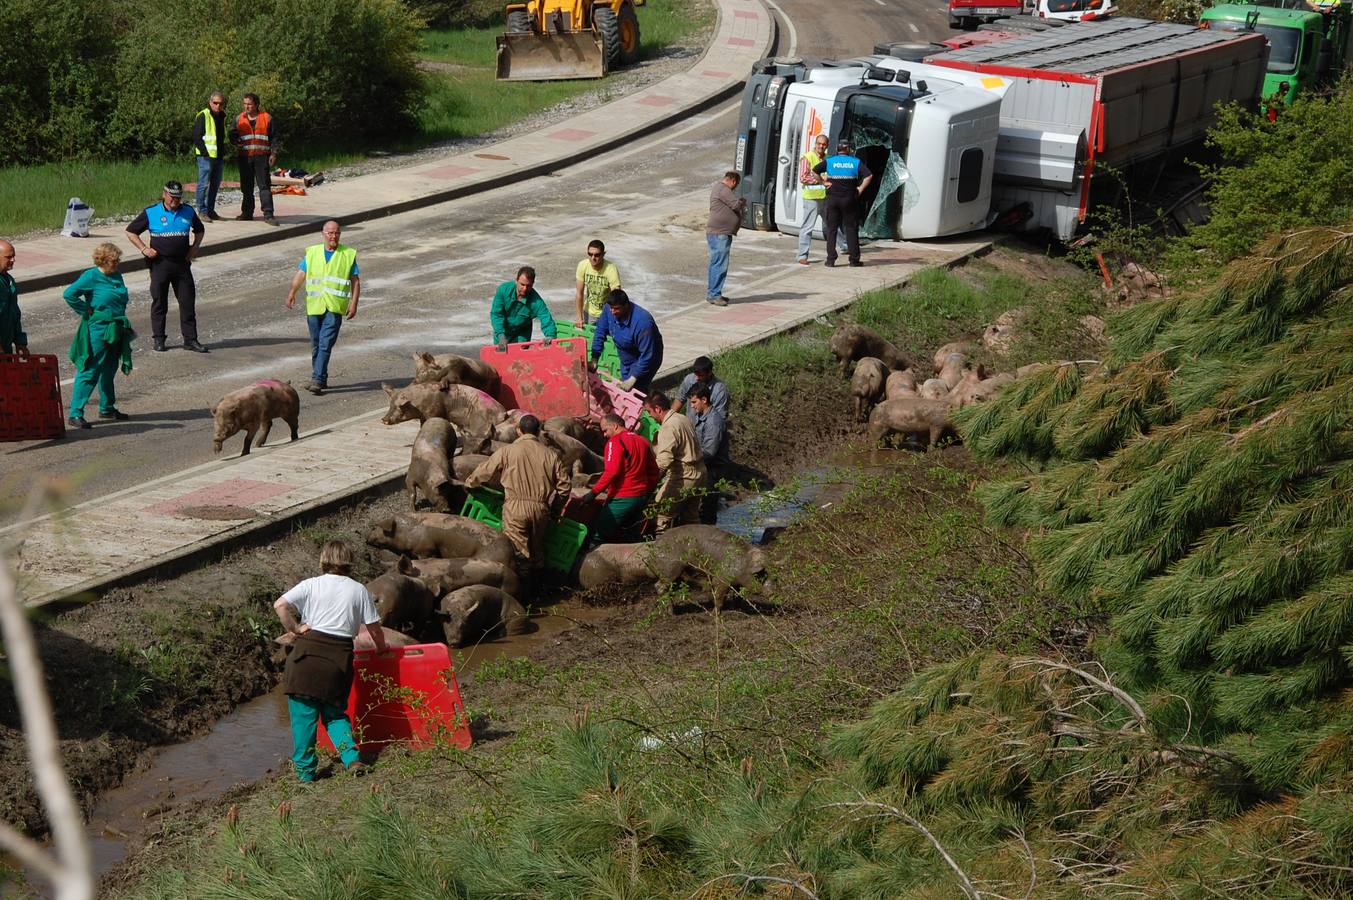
[548,40]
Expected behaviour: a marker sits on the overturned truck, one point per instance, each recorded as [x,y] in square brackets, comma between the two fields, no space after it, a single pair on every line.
[1013,127]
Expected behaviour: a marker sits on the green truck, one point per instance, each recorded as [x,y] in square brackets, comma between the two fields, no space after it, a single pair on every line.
[1308,41]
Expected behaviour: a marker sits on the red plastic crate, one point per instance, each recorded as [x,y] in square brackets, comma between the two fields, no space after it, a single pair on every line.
[30,398]
[406,694]
[543,380]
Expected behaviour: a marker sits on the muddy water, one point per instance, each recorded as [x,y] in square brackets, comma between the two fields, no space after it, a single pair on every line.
[250,743]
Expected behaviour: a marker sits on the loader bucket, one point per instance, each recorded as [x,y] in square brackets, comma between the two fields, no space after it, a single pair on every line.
[550,57]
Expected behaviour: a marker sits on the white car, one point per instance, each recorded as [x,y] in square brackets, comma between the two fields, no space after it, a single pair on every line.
[1075,10]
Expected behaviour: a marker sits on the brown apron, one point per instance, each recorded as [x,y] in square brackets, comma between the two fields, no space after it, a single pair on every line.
[320,666]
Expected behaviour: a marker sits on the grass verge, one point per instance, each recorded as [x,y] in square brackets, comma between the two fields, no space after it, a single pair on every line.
[460,102]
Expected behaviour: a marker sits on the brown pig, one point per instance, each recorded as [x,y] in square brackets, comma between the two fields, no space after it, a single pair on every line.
[430,468]
[900,384]
[976,389]
[404,603]
[867,384]
[434,535]
[580,430]
[851,342]
[951,372]
[442,576]
[934,389]
[573,453]
[701,554]
[479,612]
[252,410]
[911,416]
[467,463]
[448,368]
[473,412]
[964,347]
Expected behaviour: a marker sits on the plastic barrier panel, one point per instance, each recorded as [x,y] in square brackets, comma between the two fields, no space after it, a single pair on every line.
[406,694]
[607,397]
[545,380]
[30,398]
[609,361]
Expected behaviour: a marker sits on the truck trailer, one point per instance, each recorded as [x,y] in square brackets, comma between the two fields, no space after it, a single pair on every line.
[1013,128]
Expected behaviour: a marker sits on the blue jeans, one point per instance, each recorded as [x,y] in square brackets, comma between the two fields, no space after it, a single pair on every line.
[208,184]
[306,713]
[323,336]
[719,247]
[812,211]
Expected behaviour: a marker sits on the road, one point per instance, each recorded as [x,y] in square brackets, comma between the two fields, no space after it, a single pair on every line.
[427,278]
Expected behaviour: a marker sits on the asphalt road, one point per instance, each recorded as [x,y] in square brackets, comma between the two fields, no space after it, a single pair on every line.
[427,278]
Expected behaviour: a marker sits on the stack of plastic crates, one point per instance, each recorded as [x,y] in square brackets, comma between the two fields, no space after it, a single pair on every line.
[608,362]
[647,427]
[562,542]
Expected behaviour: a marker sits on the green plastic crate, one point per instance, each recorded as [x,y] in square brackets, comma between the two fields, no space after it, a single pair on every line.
[562,542]
[608,362]
[647,427]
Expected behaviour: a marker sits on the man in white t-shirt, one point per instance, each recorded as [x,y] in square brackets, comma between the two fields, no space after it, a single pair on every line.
[332,609]
[595,277]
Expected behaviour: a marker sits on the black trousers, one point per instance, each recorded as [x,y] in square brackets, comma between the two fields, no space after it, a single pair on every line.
[254,171]
[842,212]
[178,274]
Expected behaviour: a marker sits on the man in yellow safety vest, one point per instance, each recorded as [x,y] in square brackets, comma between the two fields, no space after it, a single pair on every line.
[332,287]
[208,137]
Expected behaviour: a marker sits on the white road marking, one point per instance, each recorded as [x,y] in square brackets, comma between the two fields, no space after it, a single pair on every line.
[789,23]
[880,2]
[914,29]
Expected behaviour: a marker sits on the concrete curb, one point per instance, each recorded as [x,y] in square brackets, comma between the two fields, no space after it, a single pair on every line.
[56,279]
[248,533]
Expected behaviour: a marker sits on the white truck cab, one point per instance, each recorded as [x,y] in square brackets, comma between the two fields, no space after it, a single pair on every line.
[928,135]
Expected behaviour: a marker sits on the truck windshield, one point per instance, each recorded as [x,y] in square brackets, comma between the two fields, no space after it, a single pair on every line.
[1282,43]
[876,127]
[1067,5]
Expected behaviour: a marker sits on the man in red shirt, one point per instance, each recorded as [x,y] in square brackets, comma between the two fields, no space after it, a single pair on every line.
[628,479]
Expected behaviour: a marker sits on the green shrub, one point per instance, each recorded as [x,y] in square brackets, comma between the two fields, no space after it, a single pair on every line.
[56,78]
[459,13]
[330,70]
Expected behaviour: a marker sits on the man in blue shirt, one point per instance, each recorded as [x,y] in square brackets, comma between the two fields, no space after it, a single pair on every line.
[170,224]
[637,341]
[846,177]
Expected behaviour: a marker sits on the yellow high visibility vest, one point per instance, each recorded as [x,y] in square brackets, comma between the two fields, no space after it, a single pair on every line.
[813,191]
[209,135]
[328,285]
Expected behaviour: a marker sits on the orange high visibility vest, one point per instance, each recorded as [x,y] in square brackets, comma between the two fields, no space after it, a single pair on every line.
[254,140]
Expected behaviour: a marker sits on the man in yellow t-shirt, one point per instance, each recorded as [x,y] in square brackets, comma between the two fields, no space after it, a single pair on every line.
[596,278]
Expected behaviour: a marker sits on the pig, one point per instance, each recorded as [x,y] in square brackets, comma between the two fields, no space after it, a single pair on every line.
[451,369]
[467,463]
[442,576]
[934,389]
[964,347]
[851,342]
[900,384]
[583,430]
[430,468]
[435,535]
[867,385]
[473,412]
[480,612]
[404,603]
[951,373]
[574,454]
[505,432]
[252,410]
[702,554]
[911,416]
[976,389]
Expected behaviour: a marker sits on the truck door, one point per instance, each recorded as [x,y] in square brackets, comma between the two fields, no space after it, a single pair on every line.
[877,126]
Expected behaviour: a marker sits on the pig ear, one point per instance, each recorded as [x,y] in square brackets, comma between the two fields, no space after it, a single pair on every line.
[981,371]
[212,408]
[404,567]
[388,389]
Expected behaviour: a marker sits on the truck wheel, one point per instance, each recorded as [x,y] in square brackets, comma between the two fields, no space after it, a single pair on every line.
[519,22]
[629,35]
[955,24]
[604,20]
[970,23]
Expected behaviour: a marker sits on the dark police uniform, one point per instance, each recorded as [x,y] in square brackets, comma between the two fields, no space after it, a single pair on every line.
[843,203]
[170,238]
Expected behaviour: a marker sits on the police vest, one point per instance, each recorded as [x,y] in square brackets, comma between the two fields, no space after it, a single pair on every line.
[813,191]
[169,223]
[208,135]
[254,140]
[843,167]
[328,284]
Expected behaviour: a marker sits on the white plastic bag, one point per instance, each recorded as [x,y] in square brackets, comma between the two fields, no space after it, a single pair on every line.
[77,218]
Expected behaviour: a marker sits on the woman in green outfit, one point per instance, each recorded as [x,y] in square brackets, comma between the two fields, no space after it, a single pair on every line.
[104,338]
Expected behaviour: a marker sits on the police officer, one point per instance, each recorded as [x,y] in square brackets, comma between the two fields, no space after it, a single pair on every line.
[846,178]
[171,258]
